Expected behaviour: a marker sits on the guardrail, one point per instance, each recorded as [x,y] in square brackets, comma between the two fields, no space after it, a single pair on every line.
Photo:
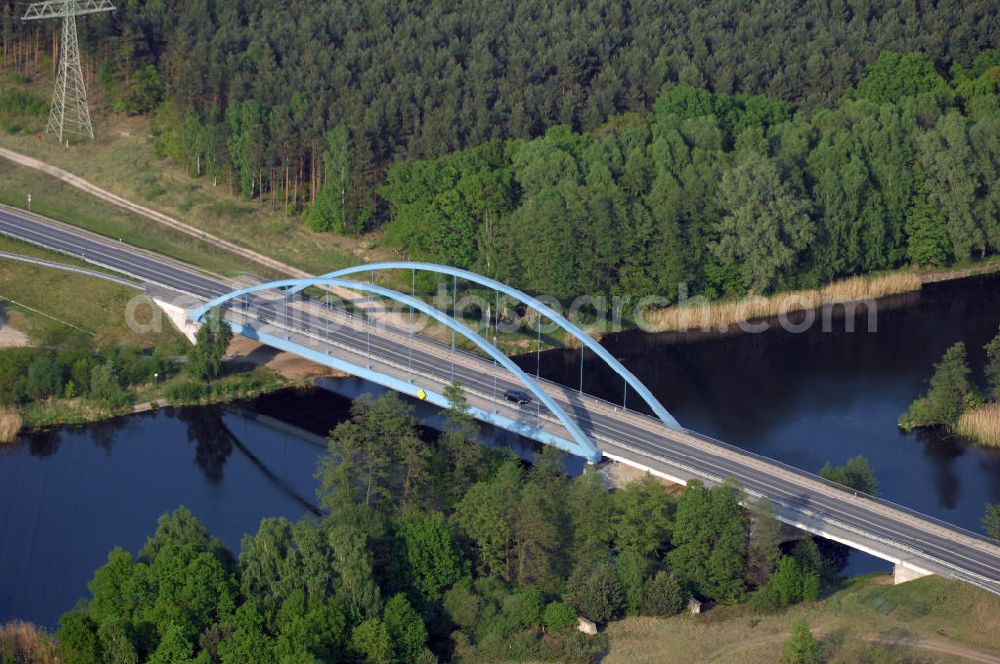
[392,329]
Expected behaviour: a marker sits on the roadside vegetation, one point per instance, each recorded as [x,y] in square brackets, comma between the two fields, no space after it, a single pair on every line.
[956,403]
[443,550]
[57,200]
[991,521]
[84,363]
[440,549]
[857,473]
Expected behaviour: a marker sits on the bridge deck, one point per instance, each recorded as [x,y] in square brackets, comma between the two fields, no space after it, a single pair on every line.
[879,527]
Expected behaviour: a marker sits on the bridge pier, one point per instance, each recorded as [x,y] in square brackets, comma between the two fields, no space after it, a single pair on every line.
[904,571]
[178,317]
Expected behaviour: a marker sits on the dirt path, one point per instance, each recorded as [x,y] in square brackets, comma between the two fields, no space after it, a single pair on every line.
[289,365]
[896,640]
[936,646]
[163,219]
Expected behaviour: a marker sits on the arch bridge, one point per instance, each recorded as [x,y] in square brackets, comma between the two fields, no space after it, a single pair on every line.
[414,364]
[294,335]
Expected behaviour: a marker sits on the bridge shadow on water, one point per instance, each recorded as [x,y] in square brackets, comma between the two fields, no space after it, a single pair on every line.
[215,441]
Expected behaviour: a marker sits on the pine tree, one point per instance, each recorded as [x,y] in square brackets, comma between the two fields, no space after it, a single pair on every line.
[801,646]
[992,368]
[662,596]
[991,521]
[949,395]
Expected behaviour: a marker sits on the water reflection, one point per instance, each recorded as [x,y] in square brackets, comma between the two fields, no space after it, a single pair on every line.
[80,491]
[942,452]
[213,442]
[824,396]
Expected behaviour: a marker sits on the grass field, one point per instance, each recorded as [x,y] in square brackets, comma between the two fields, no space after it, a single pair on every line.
[41,300]
[121,160]
[52,198]
[927,620]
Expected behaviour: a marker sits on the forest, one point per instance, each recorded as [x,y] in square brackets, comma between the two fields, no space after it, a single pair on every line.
[861,136]
[435,548]
[724,194]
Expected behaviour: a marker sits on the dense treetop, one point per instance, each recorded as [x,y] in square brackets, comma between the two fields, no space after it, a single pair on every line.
[728,194]
[436,551]
[416,79]
[587,146]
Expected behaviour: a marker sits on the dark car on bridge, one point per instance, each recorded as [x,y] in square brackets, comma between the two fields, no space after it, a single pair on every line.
[517,396]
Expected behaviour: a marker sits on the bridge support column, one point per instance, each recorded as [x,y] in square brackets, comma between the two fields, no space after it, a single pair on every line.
[178,316]
[904,571]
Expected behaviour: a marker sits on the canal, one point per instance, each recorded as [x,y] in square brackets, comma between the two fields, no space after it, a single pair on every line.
[73,493]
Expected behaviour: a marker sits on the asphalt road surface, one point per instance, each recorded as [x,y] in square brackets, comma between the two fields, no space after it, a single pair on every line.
[877,526]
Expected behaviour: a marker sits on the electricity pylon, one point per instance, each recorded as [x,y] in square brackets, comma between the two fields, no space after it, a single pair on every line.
[69,112]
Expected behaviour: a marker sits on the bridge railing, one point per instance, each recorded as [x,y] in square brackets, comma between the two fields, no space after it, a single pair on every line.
[842,487]
[728,446]
[363,319]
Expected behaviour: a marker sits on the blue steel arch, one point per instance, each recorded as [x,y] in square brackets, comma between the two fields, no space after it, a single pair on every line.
[586,446]
[538,306]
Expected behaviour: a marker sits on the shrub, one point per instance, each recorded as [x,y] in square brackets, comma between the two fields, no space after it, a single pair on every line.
[791,583]
[557,616]
[524,607]
[597,594]
[185,392]
[573,647]
[801,647]
[44,378]
[662,596]
[106,389]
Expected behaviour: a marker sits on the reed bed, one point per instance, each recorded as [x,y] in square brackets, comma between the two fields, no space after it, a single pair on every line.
[10,424]
[981,424]
[24,643]
[722,315]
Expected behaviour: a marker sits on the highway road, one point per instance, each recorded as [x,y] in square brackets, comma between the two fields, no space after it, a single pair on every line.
[877,526]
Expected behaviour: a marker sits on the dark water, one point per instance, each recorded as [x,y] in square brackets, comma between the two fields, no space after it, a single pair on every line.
[71,495]
[817,396]
[74,493]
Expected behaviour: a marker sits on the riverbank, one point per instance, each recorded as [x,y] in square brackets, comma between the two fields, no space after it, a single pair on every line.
[730,315]
[251,370]
[981,424]
[10,423]
[178,391]
[24,642]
